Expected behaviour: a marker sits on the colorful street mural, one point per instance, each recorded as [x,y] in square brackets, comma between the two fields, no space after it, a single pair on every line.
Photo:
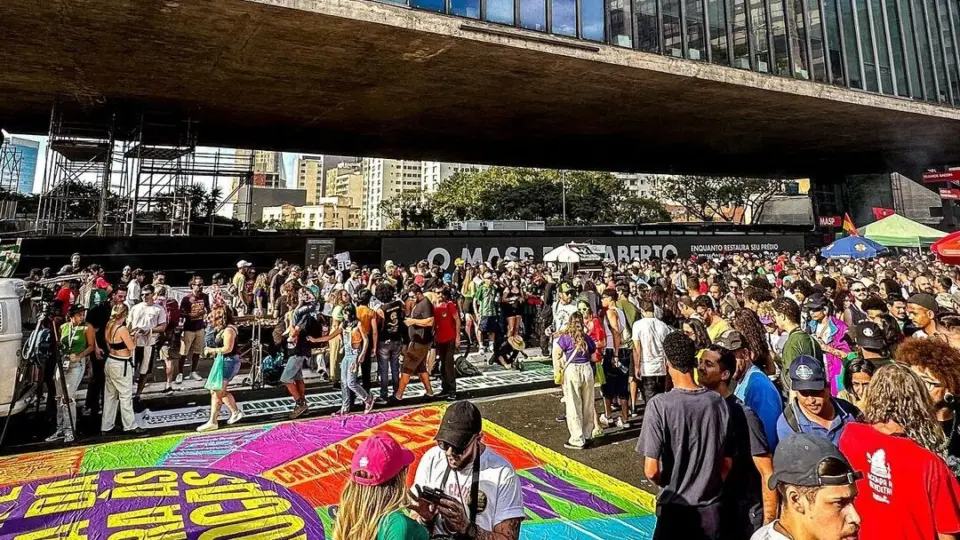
[279,481]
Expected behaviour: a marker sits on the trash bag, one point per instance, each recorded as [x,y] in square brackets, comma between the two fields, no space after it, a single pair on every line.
[465,368]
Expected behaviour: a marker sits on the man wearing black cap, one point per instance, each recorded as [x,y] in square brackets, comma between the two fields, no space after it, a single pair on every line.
[752,386]
[813,410]
[817,487]
[870,343]
[485,500]
[922,310]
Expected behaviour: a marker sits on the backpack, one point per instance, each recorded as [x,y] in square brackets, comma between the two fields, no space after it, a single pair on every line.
[790,414]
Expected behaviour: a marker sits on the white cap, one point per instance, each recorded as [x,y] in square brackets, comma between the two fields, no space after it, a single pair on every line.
[388,264]
[244,264]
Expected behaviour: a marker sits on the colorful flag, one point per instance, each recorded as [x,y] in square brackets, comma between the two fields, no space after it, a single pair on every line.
[881,213]
[848,226]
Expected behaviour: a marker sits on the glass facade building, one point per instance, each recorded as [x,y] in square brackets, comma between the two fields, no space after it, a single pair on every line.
[905,48]
[18,174]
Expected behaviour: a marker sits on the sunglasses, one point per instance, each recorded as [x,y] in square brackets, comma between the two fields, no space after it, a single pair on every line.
[857,290]
[445,447]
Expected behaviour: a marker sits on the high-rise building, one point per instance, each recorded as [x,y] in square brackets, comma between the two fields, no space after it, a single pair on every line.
[268,171]
[346,180]
[640,185]
[435,172]
[18,166]
[312,171]
[382,180]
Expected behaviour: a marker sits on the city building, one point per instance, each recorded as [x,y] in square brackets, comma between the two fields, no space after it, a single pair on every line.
[312,171]
[640,185]
[345,180]
[434,172]
[18,164]
[382,180]
[328,213]
[268,171]
[251,200]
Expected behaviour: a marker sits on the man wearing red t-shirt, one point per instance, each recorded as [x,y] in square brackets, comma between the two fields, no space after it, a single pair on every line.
[67,296]
[907,491]
[446,321]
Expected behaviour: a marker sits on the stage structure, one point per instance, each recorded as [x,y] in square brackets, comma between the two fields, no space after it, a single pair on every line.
[11,162]
[126,171]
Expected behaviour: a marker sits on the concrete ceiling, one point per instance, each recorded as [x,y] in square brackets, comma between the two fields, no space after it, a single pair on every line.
[353,77]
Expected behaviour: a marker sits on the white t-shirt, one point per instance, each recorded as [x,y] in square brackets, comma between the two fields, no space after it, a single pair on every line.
[651,332]
[499,487]
[133,293]
[146,317]
[767,532]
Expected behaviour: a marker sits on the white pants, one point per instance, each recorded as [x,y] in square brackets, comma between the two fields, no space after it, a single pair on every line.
[118,391]
[578,386]
[67,405]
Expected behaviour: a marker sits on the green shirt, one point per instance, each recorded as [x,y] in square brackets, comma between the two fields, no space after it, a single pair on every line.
[486,298]
[397,526]
[73,339]
[799,343]
[629,311]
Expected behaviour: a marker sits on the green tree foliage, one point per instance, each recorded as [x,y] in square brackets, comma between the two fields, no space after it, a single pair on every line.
[412,209]
[643,210]
[709,198]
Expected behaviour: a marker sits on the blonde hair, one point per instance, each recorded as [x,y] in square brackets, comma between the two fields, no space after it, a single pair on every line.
[467,289]
[574,329]
[898,395]
[119,312]
[362,508]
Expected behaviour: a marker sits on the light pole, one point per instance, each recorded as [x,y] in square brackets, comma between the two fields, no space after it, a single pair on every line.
[563,182]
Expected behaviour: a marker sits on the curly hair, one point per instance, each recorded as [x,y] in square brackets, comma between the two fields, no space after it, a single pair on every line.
[935,356]
[898,395]
[575,329]
[680,352]
[788,308]
[748,324]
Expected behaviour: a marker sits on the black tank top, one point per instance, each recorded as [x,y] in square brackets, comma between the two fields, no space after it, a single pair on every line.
[119,345]
[390,329]
[219,341]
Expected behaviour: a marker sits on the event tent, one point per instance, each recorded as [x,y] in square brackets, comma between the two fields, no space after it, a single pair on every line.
[898,231]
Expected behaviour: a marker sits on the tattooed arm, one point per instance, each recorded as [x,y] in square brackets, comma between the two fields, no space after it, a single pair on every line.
[508,529]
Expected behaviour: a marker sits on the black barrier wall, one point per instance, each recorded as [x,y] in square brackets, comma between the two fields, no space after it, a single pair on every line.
[181,257]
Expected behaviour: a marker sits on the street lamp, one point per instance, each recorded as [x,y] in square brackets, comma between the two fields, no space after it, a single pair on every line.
[563,182]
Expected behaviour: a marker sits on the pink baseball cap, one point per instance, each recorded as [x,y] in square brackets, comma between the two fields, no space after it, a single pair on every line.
[378,459]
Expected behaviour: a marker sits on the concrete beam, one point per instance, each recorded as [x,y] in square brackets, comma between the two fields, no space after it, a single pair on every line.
[358,77]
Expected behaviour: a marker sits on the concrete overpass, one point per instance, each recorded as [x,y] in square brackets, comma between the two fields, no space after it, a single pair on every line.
[360,78]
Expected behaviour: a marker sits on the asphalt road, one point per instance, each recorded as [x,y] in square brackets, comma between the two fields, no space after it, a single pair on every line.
[533,415]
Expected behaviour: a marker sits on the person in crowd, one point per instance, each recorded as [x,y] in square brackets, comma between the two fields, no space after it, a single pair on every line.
[617,357]
[447,332]
[938,366]
[147,322]
[715,324]
[373,501]
[98,316]
[798,343]
[816,486]
[224,370]
[391,334]
[855,312]
[72,268]
[562,309]
[459,461]
[686,444]
[909,491]
[133,287]
[694,329]
[420,327]
[468,290]
[923,284]
[261,295]
[355,343]
[368,319]
[485,306]
[751,386]
[747,501]
[303,330]
[168,342]
[856,381]
[77,343]
[812,409]
[512,301]
[119,369]
[68,295]
[334,303]
[649,359]
[830,334]
[194,308]
[922,311]
[573,352]
[757,339]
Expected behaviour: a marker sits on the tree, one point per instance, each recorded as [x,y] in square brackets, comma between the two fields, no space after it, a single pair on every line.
[642,210]
[721,197]
[412,209]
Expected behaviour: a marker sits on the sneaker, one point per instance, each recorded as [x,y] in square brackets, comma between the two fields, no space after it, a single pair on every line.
[136,431]
[569,446]
[369,405]
[452,396]
[57,436]
[68,437]
[604,421]
[168,389]
[194,376]
[621,424]
[179,379]
[235,417]
[597,432]
[209,426]
[298,411]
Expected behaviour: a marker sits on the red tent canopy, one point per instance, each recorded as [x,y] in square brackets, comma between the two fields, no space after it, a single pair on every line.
[948,248]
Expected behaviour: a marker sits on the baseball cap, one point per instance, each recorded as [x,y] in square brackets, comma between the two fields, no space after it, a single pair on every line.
[816,302]
[868,335]
[414,289]
[730,340]
[925,300]
[378,460]
[797,460]
[565,287]
[460,423]
[807,373]
[244,264]
[74,309]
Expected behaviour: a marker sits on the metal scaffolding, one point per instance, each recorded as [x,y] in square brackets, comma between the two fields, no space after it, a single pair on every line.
[123,173]
[11,162]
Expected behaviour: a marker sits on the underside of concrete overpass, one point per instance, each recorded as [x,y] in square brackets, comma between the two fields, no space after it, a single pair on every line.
[356,77]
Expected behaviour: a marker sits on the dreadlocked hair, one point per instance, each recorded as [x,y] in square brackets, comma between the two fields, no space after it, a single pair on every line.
[898,395]
[574,329]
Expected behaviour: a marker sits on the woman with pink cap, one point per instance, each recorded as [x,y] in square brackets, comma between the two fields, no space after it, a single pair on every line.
[373,501]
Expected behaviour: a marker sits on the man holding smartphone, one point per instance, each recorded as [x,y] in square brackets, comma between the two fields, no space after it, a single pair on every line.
[481,491]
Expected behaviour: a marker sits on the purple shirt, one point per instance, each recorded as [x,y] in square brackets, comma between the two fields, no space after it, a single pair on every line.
[567,345]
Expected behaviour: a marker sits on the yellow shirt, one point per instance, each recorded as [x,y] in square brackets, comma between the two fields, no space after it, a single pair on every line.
[718,327]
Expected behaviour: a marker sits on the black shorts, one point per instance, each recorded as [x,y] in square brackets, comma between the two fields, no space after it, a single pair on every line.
[675,521]
[617,381]
[651,386]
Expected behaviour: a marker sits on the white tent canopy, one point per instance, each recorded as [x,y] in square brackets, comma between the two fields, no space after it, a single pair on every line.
[572,253]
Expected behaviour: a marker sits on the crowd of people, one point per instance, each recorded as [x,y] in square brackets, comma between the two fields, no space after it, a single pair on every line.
[778,395]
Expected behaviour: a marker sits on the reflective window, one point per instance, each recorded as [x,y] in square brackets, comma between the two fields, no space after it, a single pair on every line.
[948,83]
[564,17]
[880,38]
[896,47]
[672,43]
[830,8]
[648,31]
[950,15]
[923,40]
[780,44]
[760,30]
[695,44]
[866,45]
[850,44]
[741,42]
[818,59]
[798,40]
[910,42]
[591,19]
[500,11]
[620,31]
[465,8]
[429,5]
[717,20]
[533,15]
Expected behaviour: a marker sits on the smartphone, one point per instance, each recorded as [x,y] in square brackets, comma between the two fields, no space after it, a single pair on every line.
[432,495]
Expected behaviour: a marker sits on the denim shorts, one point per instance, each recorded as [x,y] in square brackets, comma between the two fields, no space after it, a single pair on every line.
[231,366]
